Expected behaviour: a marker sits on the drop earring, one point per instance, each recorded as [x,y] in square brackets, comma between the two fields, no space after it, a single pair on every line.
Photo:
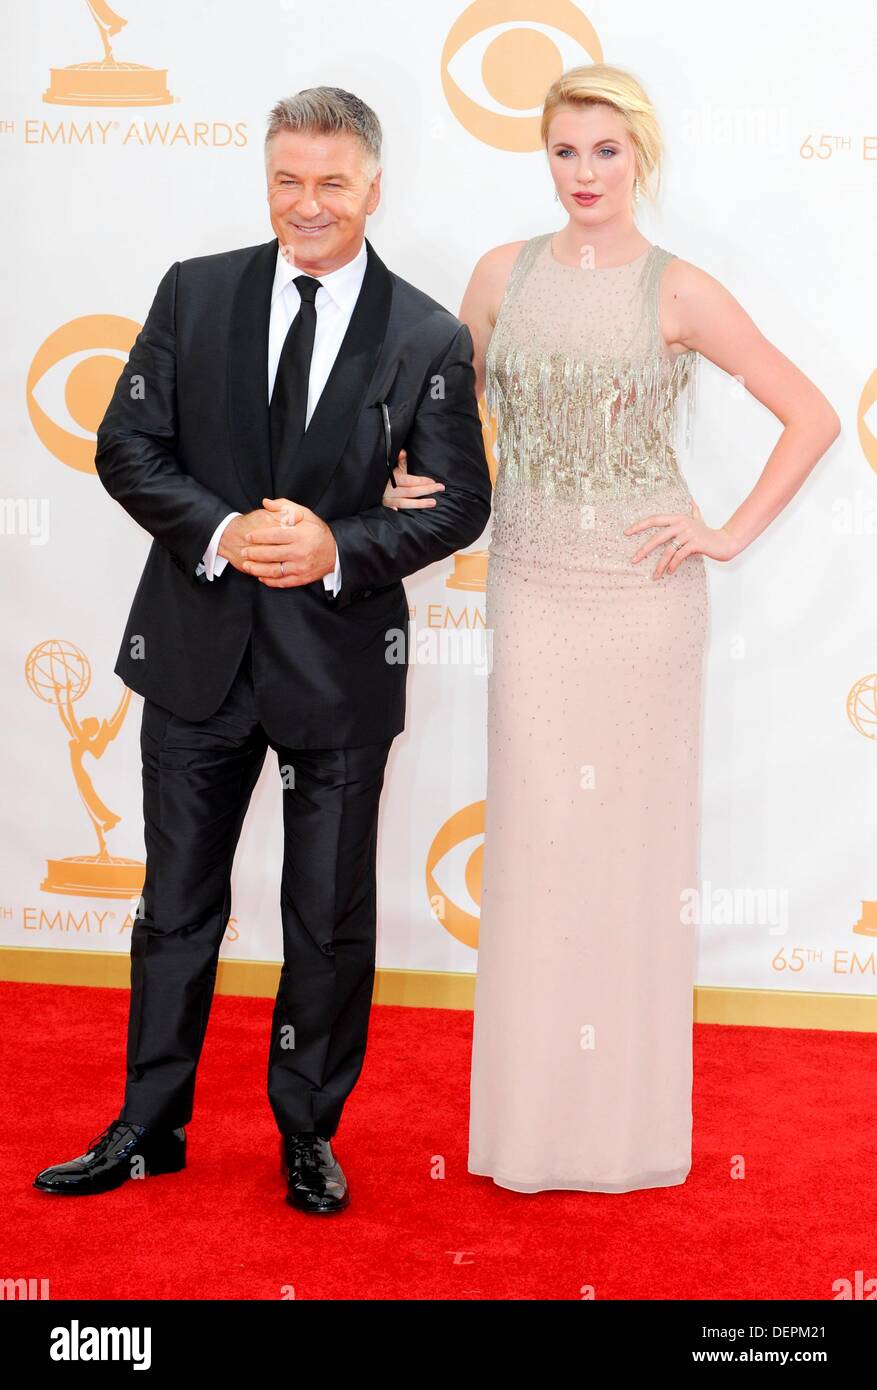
[636,190]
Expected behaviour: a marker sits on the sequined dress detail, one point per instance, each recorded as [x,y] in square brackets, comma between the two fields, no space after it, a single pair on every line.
[581,1063]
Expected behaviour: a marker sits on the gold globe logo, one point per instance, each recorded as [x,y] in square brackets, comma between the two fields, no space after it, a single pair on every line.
[458,852]
[862,706]
[517,61]
[89,384]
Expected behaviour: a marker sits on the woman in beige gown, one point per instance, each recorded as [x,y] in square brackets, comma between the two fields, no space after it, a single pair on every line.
[582,1046]
[581,1069]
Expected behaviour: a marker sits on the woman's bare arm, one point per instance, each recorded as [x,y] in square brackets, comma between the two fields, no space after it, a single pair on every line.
[483,296]
[698,312]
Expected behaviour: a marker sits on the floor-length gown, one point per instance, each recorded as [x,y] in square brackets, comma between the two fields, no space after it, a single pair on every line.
[582,1047]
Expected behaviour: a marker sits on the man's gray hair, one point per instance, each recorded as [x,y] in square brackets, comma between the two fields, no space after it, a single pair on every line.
[328,111]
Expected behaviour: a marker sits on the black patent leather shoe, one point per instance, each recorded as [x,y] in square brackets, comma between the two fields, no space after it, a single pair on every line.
[111,1158]
[315,1180]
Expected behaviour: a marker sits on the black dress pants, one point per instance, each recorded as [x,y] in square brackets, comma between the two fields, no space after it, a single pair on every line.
[197,783]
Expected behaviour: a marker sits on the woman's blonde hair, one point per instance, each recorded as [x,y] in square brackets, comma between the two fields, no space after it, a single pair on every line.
[615,87]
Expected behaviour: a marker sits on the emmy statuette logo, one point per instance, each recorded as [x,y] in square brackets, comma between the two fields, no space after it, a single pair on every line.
[862,714]
[106,81]
[60,674]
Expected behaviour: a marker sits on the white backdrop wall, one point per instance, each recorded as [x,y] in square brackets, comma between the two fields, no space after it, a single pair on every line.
[769,184]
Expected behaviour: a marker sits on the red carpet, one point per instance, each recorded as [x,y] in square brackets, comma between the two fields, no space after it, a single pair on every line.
[799,1106]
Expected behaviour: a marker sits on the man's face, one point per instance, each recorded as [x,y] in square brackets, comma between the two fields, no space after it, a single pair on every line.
[320,193]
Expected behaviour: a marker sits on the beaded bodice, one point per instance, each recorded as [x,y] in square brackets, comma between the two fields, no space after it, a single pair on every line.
[580,383]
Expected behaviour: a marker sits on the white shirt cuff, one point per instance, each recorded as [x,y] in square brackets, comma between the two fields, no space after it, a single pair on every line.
[214,564]
[332,582]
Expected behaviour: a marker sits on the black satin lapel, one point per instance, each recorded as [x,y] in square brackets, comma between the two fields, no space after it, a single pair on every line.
[306,477]
[248,375]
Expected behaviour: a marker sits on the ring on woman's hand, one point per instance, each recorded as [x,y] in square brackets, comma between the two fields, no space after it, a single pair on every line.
[676,544]
[281,566]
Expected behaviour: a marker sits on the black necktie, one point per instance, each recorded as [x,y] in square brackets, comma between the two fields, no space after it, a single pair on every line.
[289,399]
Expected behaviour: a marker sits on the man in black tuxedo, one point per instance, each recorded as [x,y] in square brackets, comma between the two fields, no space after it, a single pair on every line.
[263,618]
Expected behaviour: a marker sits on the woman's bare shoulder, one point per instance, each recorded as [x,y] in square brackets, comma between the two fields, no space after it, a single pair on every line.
[491,273]
[684,276]
[685,287]
[506,254]
[495,265]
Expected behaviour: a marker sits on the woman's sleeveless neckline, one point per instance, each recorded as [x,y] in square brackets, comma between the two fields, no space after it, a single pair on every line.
[579,381]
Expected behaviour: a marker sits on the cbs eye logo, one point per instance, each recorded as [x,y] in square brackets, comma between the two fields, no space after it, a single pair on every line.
[71,380]
[516,62]
[458,852]
[866,420]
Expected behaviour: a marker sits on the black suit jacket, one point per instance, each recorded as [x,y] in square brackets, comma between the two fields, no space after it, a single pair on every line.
[185,440]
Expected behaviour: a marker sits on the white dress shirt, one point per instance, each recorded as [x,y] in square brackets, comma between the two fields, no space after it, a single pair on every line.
[334,302]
